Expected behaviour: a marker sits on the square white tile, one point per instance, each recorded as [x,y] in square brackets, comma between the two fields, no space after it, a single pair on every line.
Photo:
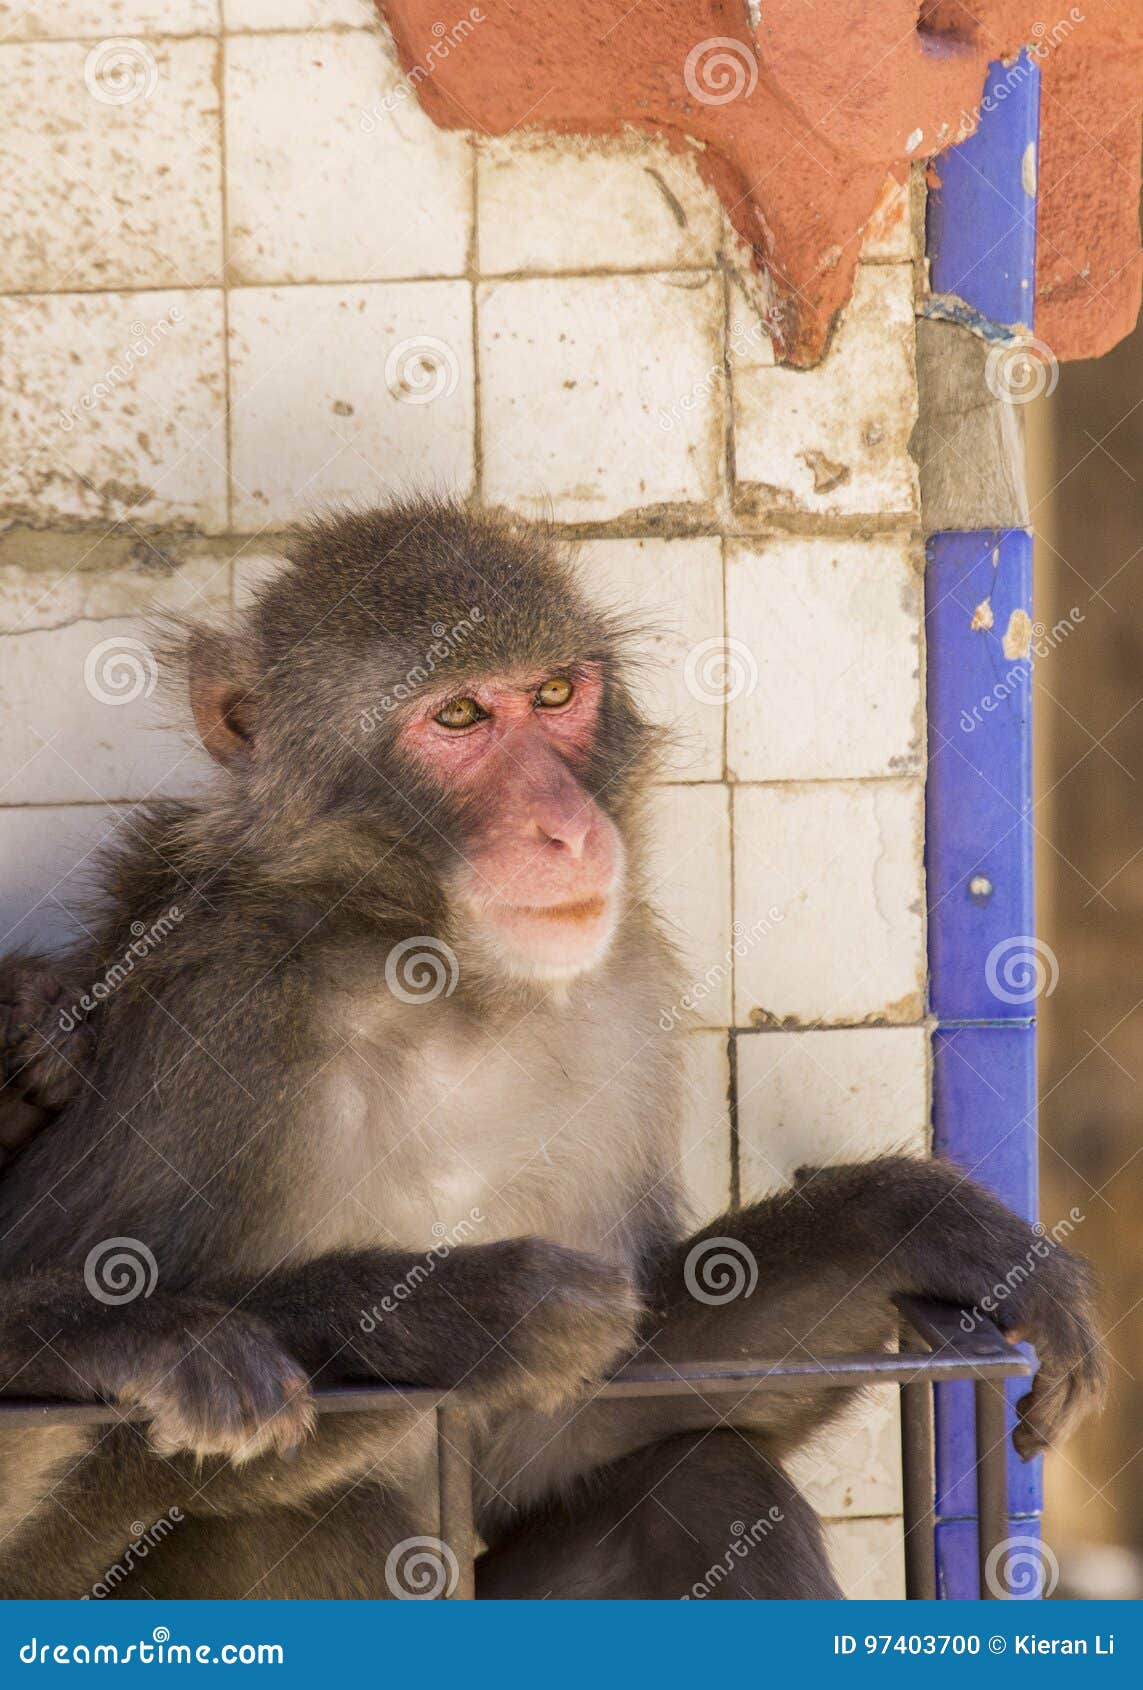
[547,204]
[324,183]
[688,879]
[117,407]
[825,636]
[602,396]
[842,864]
[348,393]
[112,176]
[835,439]
[673,590]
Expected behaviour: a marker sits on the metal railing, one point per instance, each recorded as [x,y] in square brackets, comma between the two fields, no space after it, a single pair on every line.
[981,1354]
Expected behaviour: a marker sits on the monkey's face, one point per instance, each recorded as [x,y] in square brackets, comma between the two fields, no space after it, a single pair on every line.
[540,865]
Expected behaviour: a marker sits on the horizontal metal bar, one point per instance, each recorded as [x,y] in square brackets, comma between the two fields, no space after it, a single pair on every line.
[954,1354]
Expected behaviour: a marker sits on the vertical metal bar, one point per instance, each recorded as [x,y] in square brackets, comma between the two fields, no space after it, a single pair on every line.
[454,1468]
[917,1491]
[991,1482]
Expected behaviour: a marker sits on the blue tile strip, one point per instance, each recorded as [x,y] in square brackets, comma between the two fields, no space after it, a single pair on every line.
[984,964]
[982,215]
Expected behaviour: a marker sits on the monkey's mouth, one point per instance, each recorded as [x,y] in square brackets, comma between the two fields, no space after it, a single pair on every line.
[580,913]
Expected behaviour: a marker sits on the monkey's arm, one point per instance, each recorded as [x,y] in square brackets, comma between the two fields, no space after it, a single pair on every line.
[816,1267]
[210,1380]
[520,1320]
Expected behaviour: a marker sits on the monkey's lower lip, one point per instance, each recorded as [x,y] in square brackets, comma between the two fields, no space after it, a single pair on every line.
[582,911]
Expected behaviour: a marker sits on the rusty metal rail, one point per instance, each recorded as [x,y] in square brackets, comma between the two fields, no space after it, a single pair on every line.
[934,1347]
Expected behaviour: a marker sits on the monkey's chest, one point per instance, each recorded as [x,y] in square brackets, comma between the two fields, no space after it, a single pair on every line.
[476,1143]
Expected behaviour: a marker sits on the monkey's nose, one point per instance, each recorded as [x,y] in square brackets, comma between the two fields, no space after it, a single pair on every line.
[565,832]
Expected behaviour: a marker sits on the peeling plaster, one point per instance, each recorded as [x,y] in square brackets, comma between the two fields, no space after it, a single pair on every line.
[840,94]
[1017,640]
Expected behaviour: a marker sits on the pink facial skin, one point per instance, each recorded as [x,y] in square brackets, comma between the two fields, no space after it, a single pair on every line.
[542,870]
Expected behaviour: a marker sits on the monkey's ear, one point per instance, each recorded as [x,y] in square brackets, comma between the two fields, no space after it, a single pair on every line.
[222,698]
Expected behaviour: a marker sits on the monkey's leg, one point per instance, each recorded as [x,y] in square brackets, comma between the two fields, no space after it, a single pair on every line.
[338,1548]
[706,1514]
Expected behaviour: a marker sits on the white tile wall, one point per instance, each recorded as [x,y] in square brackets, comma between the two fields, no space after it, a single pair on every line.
[830,637]
[367,304]
[35,19]
[104,192]
[546,206]
[377,382]
[835,440]
[116,407]
[689,881]
[808,1099]
[672,591]
[868,1558]
[308,136]
[841,862]
[601,395]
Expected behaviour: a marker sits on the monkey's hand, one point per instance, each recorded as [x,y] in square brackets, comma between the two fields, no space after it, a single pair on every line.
[41,1065]
[929,1230]
[558,1322]
[211,1383]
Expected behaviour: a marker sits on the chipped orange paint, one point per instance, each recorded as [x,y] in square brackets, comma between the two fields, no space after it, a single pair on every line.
[797,118]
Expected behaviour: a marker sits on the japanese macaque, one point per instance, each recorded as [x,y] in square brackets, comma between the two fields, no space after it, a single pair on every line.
[389,1099]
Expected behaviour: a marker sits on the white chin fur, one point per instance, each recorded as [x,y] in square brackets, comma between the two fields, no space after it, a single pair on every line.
[549,955]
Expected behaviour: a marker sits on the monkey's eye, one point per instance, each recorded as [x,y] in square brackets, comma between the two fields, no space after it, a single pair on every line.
[552,694]
[459,713]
